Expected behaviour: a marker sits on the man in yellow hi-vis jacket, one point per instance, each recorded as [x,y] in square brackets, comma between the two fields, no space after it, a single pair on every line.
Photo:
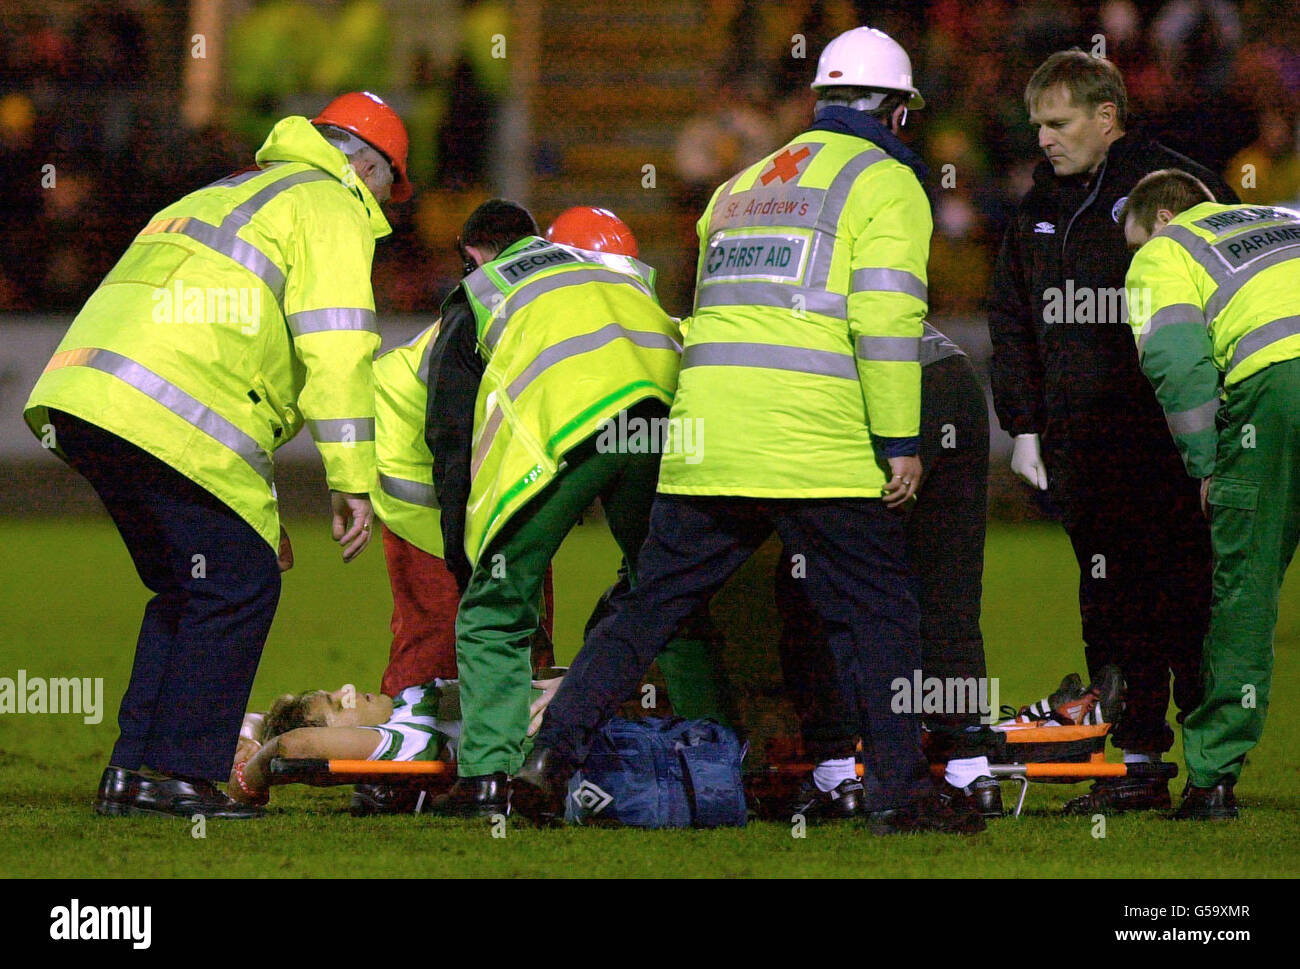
[543,350]
[801,364]
[238,315]
[1213,303]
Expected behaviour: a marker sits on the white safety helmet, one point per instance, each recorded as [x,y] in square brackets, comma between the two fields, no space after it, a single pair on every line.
[867,57]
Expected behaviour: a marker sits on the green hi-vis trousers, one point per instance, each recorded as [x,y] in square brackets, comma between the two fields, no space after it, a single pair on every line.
[498,612]
[1255,526]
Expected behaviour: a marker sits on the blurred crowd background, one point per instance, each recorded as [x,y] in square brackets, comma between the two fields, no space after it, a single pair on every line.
[642,106]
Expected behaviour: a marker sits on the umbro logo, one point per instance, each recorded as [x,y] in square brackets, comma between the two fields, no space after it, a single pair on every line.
[591,798]
[1046,228]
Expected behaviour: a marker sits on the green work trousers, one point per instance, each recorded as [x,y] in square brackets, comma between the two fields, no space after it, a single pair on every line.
[1255,526]
[498,612]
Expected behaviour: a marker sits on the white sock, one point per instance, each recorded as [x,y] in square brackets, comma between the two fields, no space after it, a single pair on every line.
[1137,757]
[961,773]
[829,774]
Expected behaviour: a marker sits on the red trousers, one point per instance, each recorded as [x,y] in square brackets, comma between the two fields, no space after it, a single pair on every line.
[425,598]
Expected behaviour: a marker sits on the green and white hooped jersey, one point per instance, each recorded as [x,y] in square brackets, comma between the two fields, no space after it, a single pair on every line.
[413,732]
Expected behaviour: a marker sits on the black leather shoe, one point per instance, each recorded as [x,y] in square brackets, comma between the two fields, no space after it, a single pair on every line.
[1216,803]
[368,799]
[475,797]
[930,814]
[844,803]
[1115,795]
[117,786]
[541,786]
[982,795]
[178,797]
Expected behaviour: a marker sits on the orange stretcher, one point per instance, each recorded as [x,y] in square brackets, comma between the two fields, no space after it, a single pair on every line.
[1023,753]
[327,773]
[1019,752]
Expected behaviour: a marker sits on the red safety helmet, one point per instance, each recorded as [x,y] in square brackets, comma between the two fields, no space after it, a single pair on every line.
[598,230]
[374,122]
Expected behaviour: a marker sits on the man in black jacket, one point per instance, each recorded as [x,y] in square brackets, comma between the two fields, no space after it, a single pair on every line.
[1087,428]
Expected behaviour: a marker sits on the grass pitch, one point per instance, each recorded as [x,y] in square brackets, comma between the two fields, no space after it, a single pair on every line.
[72,603]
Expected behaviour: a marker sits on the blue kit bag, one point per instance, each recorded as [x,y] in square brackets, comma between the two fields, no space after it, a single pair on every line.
[660,773]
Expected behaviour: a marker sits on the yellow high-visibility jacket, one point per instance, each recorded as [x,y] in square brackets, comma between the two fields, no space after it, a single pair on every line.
[238,314]
[571,338]
[403,496]
[1212,300]
[803,344]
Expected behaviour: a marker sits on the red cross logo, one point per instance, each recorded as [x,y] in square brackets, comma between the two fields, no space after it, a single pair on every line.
[785,166]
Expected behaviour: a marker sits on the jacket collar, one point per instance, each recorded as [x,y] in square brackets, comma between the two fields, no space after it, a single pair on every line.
[296,139]
[846,121]
[1121,148]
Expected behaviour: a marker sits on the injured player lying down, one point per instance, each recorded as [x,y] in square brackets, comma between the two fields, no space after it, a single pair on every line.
[420,723]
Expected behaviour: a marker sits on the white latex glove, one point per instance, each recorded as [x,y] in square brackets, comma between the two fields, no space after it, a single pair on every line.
[538,708]
[1027,460]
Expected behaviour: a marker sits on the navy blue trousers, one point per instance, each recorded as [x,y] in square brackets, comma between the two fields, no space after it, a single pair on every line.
[857,579]
[216,585]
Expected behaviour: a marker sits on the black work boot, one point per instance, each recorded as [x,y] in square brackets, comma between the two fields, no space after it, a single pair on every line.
[982,795]
[483,796]
[184,797]
[844,803]
[542,785]
[117,786]
[930,814]
[1216,803]
[368,799]
[1115,795]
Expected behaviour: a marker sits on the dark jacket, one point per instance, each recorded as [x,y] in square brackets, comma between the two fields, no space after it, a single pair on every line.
[455,372]
[1062,369]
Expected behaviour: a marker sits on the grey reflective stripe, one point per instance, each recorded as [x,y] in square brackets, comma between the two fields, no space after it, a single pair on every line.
[726,194]
[332,318]
[529,291]
[935,346]
[771,356]
[1191,421]
[1260,337]
[1229,282]
[1170,316]
[1199,249]
[412,492]
[223,239]
[823,217]
[338,430]
[426,359]
[1234,283]
[644,270]
[892,348]
[485,440]
[493,335]
[179,403]
[233,247]
[556,353]
[795,298]
[888,281]
[585,343]
[788,194]
[243,213]
[482,289]
[239,178]
[828,218]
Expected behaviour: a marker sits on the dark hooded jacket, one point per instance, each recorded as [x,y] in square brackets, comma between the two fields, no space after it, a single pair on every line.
[1064,362]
